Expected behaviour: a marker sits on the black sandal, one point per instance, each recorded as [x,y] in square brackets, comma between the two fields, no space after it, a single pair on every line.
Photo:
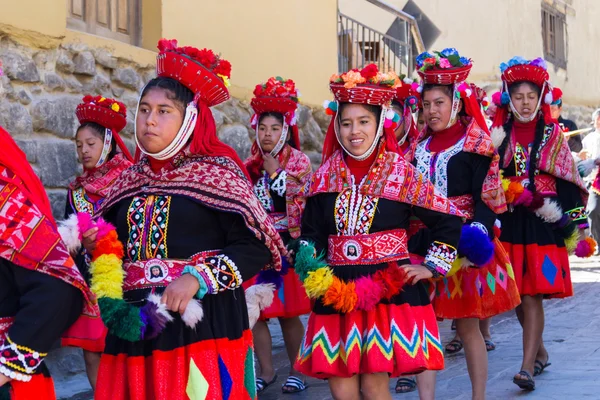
[526,384]
[490,346]
[294,384]
[406,385]
[539,367]
[262,385]
[454,346]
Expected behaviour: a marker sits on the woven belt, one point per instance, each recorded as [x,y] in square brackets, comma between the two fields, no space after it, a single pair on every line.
[158,273]
[373,248]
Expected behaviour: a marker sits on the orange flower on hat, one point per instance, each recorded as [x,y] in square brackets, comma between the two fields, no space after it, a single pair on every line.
[353,78]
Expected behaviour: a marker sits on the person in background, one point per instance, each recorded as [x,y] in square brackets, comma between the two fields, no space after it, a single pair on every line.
[566,125]
[591,151]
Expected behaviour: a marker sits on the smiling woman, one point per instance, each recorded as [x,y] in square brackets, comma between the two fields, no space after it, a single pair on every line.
[358,126]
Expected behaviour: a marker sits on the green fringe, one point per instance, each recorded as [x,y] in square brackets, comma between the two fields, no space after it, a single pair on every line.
[122,319]
[306,262]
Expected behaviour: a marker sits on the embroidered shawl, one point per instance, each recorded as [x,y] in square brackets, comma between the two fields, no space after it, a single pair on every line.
[216,182]
[391,177]
[31,240]
[98,181]
[554,157]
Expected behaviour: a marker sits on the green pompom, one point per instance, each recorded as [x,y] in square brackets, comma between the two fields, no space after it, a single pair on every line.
[305,261]
[121,318]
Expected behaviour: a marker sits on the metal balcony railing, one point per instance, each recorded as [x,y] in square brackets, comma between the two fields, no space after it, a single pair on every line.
[360,45]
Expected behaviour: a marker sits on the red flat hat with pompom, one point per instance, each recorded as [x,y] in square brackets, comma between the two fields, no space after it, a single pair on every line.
[203,72]
[365,86]
[525,72]
[446,76]
[107,112]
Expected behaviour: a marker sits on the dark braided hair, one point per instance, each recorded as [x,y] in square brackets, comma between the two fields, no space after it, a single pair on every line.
[99,131]
[176,91]
[539,135]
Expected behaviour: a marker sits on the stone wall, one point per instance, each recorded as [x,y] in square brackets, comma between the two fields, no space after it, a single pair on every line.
[41,88]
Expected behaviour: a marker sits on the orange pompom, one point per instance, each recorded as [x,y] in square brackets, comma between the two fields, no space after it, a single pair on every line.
[593,245]
[342,296]
[109,244]
[515,189]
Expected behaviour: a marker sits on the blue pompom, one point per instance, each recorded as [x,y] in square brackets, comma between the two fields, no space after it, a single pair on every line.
[464,61]
[503,67]
[449,51]
[475,245]
[270,276]
[505,98]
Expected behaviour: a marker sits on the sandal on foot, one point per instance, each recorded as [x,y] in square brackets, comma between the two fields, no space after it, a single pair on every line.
[293,384]
[526,384]
[454,346]
[453,326]
[406,385]
[539,367]
[490,346]
[261,384]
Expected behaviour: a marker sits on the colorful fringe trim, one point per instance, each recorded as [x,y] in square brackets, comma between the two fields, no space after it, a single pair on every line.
[363,293]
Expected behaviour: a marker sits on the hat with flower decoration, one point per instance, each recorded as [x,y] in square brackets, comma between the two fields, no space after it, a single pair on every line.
[519,69]
[108,113]
[362,86]
[280,96]
[207,75]
[449,68]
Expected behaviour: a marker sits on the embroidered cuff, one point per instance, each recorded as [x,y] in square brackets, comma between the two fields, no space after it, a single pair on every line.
[578,215]
[221,274]
[19,362]
[440,257]
[278,184]
[202,280]
[430,266]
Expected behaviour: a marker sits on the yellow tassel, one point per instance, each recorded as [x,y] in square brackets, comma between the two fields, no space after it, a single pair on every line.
[455,267]
[571,241]
[317,282]
[107,276]
[505,184]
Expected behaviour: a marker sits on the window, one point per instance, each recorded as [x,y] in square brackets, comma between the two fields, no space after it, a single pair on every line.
[114,19]
[554,26]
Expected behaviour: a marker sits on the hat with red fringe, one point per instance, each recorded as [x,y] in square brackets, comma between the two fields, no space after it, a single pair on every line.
[207,76]
[444,67]
[109,113]
[519,69]
[408,94]
[363,86]
[205,73]
[277,95]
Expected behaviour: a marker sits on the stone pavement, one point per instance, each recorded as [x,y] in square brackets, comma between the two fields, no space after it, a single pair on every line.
[572,337]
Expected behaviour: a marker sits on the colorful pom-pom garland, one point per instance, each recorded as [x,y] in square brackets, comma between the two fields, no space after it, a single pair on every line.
[550,212]
[363,293]
[122,319]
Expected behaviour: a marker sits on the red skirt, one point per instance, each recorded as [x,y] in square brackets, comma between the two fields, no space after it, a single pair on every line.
[393,339]
[218,369]
[290,299]
[541,269]
[40,386]
[86,333]
[478,292]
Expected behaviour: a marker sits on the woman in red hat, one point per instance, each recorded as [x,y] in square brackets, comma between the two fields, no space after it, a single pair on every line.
[546,218]
[372,318]
[185,208]
[104,156]
[456,153]
[279,173]
[41,291]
